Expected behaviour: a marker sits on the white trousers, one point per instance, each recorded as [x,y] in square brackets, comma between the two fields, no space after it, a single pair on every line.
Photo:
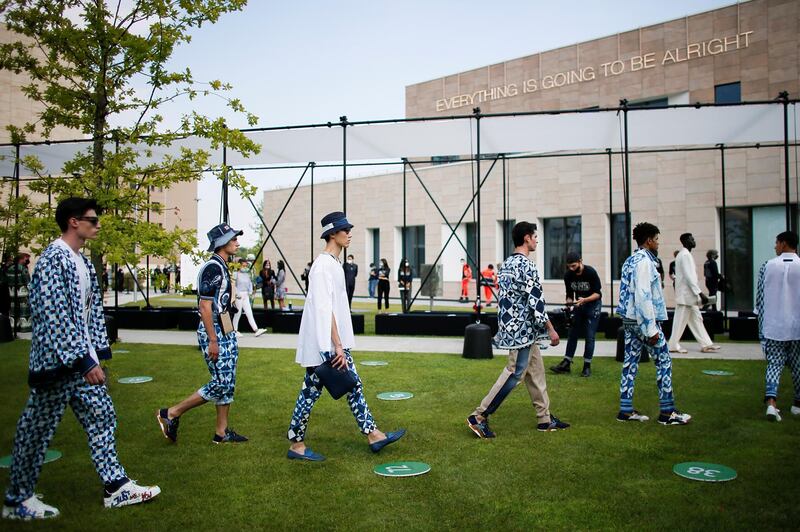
[688,315]
[244,306]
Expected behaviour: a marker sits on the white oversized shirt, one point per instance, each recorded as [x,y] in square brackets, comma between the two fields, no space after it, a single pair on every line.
[778,298]
[327,297]
[687,291]
[85,290]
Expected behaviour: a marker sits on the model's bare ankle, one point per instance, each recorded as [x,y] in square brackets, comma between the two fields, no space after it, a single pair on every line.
[171,414]
[375,435]
[298,447]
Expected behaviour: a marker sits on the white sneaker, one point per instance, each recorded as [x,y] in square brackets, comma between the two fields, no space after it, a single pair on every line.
[674,418]
[259,332]
[773,414]
[795,410]
[30,508]
[632,416]
[130,493]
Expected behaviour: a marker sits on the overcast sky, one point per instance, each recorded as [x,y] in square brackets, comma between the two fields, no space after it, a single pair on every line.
[311,61]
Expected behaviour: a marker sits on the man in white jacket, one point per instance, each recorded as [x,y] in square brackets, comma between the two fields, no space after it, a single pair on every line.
[688,298]
[326,334]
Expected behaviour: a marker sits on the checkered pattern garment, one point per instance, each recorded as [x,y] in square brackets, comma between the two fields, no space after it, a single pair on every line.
[780,354]
[521,317]
[759,308]
[641,298]
[94,410]
[312,391]
[58,344]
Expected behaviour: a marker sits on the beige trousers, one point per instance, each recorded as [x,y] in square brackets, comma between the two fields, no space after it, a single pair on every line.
[523,365]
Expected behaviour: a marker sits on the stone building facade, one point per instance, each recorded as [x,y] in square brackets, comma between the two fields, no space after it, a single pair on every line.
[745,52]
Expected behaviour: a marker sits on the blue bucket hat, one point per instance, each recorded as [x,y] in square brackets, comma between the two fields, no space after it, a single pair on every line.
[334,222]
[221,235]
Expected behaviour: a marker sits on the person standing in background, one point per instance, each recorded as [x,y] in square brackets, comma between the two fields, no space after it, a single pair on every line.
[350,273]
[404,278]
[711,273]
[383,283]
[466,279]
[244,289]
[372,282]
[280,284]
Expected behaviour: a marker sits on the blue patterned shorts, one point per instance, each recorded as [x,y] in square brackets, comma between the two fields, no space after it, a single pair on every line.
[220,388]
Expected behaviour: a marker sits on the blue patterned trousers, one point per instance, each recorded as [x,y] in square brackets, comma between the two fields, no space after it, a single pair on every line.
[220,388]
[311,391]
[635,342]
[778,355]
[94,410]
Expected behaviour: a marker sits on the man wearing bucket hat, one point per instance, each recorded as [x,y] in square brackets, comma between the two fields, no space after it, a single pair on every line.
[217,340]
[326,335]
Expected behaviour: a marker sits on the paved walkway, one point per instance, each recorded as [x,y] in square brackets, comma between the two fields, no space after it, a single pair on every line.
[423,344]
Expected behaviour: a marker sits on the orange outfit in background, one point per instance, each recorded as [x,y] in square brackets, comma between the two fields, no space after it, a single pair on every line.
[489,281]
[466,277]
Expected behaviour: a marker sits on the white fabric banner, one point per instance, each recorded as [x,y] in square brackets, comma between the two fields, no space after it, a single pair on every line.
[546,133]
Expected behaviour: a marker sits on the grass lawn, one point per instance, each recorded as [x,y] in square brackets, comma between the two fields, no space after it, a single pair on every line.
[599,474]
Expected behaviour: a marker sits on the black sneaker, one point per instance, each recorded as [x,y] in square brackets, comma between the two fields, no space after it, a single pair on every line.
[169,427]
[587,370]
[230,437]
[562,367]
[480,428]
[554,425]
[632,416]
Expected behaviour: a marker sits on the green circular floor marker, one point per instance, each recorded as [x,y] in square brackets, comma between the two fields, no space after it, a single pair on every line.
[50,456]
[374,363]
[402,469]
[121,351]
[135,380]
[395,396]
[718,372]
[704,472]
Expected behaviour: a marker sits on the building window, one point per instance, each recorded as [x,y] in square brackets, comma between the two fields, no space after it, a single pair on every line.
[506,240]
[561,236]
[414,246]
[375,239]
[472,245]
[444,159]
[749,239]
[620,244]
[655,102]
[728,93]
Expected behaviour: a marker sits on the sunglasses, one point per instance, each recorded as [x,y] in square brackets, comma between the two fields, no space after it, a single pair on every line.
[91,219]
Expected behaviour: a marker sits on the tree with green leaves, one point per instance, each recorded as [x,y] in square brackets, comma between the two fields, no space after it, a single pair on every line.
[88,62]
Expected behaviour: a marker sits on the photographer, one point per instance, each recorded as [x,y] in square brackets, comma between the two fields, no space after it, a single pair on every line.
[583,296]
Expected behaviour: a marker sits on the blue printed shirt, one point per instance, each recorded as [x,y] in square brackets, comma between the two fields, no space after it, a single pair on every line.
[641,298]
[521,316]
[214,284]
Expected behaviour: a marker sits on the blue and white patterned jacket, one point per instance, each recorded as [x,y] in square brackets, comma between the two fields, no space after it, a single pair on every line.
[58,345]
[641,298]
[521,317]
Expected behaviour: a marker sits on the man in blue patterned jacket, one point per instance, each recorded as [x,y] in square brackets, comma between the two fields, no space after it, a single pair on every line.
[68,340]
[642,307]
[521,319]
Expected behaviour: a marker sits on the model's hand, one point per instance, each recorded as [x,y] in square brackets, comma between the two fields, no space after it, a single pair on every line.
[579,302]
[213,350]
[653,340]
[554,339]
[95,376]
[703,299]
[339,361]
